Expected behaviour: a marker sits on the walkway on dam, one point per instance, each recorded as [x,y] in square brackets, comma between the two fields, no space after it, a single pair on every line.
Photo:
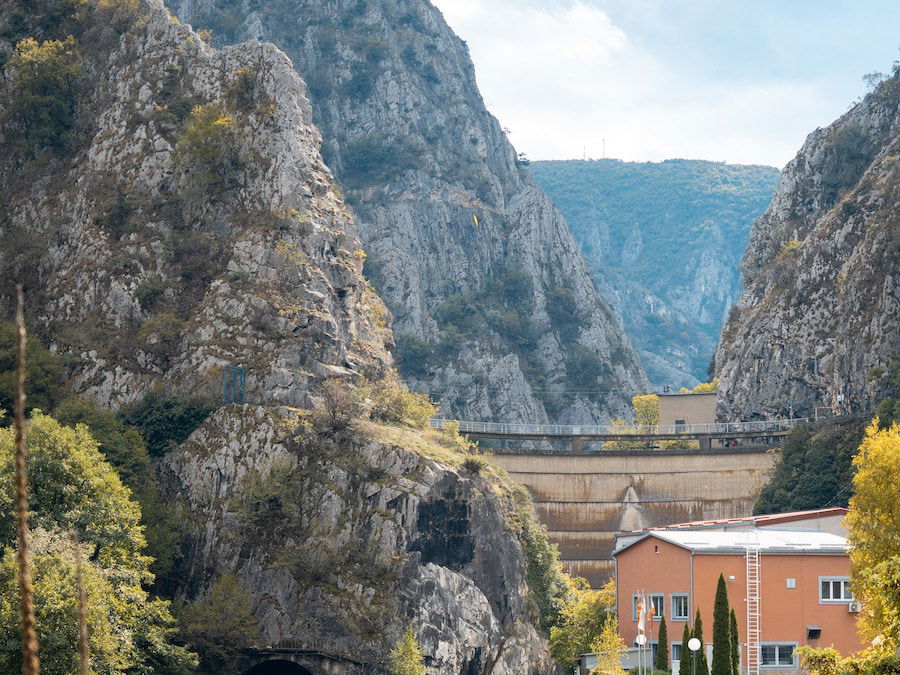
[577,434]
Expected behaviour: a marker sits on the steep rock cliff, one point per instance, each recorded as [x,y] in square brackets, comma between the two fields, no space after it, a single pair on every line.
[167,209]
[499,319]
[162,243]
[662,241]
[366,538]
[819,321]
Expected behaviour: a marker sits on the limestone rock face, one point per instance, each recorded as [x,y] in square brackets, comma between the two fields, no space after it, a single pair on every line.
[819,321]
[190,224]
[389,539]
[393,91]
[171,244]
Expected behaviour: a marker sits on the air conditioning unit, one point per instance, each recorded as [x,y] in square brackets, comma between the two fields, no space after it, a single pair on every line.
[854,606]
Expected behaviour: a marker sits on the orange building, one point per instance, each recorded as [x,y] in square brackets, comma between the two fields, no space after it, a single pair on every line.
[787,577]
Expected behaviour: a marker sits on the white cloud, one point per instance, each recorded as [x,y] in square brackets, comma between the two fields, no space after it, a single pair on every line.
[563,77]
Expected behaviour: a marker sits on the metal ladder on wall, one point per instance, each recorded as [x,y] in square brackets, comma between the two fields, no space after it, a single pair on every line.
[753,613]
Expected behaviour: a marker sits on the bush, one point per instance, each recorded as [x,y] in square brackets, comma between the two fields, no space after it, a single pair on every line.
[475,463]
[393,403]
[547,583]
[563,312]
[374,159]
[149,291]
[243,91]
[413,355]
[43,108]
[114,213]
[44,373]
[160,335]
[220,626]
[207,151]
[166,420]
[585,369]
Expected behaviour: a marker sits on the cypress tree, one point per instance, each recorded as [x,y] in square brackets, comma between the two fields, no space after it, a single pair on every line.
[686,667]
[662,649]
[702,663]
[721,659]
[735,645]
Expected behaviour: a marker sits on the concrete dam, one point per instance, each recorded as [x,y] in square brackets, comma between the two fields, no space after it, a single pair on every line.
[585,499]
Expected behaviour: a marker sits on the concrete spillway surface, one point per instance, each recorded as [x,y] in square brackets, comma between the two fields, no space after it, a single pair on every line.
[584,500]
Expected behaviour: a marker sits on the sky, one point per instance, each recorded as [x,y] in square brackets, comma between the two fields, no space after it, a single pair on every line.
[740,81]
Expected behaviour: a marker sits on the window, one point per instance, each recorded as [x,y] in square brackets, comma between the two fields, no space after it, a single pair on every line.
[679,607]
[634,606]
[834,589]
[676,651]
[790,582]
[658,603]
[777,655]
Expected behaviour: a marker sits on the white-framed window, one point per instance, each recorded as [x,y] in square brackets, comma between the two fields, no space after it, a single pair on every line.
[658,603]
[634,606]
[834,590]
[790,582]
[773,655]
[680,610]
[675,651]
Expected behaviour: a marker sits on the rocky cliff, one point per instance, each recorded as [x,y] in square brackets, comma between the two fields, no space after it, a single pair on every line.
[494,311]
[819,321]
[186,221]
[167,209]
[364,536]
[663,241]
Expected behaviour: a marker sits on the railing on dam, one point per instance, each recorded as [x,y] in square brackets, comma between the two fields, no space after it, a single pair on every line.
[563,430]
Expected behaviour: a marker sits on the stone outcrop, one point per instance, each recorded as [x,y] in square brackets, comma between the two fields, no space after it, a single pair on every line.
[819,321]
[498,318]
[366,538]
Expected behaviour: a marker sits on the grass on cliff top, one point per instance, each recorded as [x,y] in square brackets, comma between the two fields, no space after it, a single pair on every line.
[446,447]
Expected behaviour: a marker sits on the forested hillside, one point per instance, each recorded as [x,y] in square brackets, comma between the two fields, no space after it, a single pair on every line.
[663,241]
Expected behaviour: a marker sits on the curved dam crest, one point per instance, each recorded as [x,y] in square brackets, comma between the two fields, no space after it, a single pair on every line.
[585,499]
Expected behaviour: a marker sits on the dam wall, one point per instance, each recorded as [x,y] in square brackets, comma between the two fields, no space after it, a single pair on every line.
[585,499]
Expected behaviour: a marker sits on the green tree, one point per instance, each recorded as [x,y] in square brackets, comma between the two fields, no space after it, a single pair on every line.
[721,660]
[608,646]
[75,491]
[43,108]
[646,409]
[735,644]
[687,656]
[814,468]
[220,626]
[125,449]
[662,650]
[874,526]
[819,660]
[702,664]
[580,621]
[165,420]
[207,149]
[406,657]
[44,373]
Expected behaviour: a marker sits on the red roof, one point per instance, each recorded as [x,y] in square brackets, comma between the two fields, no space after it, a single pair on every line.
[770,519]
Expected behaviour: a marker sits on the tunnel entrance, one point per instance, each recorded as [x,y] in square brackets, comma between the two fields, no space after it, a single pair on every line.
[277,667]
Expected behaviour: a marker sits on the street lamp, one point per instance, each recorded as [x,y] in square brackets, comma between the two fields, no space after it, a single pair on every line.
[694,646]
